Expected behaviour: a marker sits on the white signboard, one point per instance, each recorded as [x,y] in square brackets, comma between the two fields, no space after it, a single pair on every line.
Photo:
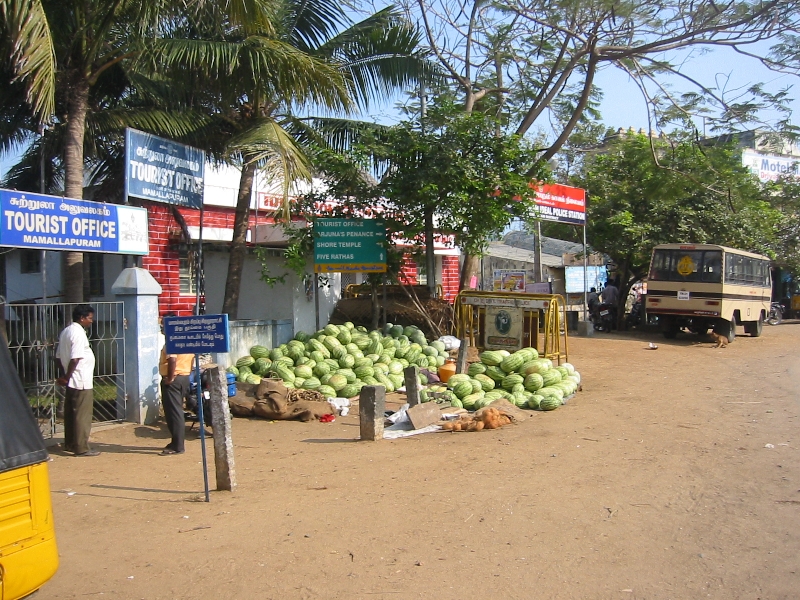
[503,328]
[769,167]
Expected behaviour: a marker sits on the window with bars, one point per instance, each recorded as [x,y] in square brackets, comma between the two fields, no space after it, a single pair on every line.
[30,261]
[95,283]
[186,272]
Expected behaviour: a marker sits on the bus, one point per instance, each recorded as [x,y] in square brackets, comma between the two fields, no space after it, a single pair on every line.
[704,286]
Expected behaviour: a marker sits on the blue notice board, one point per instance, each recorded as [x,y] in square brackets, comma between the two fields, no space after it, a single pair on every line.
[197,334]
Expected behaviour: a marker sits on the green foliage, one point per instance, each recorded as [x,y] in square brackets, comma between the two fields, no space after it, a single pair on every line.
[676,191]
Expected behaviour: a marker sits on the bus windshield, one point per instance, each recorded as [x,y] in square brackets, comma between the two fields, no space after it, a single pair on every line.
[687,265]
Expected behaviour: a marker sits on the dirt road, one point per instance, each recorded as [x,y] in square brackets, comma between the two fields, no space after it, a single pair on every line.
[675,473]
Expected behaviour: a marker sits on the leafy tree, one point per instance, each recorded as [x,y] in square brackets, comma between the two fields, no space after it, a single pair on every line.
[67,56]
[309,56]
[457,177]
[643,192]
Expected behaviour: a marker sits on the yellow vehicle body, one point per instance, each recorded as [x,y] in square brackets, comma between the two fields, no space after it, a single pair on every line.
[28,553]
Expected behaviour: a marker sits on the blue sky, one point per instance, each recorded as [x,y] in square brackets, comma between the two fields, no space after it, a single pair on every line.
[623,105]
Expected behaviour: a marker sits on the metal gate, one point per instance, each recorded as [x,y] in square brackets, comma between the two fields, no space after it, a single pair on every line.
[544,320]
[33,331]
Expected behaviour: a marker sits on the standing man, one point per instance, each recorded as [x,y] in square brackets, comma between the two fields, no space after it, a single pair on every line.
[175,369]
[77,359]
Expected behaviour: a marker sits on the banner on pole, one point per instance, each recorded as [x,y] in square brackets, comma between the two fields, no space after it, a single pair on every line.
[561,203]
[161,170]
[55,223]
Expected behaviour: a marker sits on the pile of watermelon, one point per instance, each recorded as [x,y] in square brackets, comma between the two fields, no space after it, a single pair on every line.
[522,378]
[339,360]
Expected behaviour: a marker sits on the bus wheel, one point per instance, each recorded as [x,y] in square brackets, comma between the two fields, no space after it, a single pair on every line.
[727,328]
[754,328]
[670,328]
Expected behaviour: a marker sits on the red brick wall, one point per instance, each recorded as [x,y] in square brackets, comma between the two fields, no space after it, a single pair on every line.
[408,271]
[163,260]
[450,277]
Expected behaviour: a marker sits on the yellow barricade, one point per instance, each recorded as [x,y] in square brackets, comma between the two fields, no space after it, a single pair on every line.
[544,320]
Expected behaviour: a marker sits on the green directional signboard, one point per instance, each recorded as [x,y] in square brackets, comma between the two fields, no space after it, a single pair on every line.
[349,245]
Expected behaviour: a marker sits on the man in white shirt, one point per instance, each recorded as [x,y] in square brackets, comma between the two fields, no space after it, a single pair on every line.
[77,359]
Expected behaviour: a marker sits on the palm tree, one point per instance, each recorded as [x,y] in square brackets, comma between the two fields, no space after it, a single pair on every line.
[61,51]
[314,57]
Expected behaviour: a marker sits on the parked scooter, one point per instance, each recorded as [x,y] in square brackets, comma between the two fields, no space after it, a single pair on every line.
[775,313]
[602,317]
[191,400]
[634,318]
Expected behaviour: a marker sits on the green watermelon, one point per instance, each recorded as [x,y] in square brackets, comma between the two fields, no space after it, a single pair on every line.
[533,382]
[258,351]
[245,361]
[476,369]
[491,358]
[549,403]
[512,363]
[327,391]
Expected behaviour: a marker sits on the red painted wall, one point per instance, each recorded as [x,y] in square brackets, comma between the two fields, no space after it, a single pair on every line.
[163,260]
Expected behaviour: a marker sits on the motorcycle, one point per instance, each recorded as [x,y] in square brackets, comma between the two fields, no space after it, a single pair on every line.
[191,413]
[634,318]
[775,315]
[602,317]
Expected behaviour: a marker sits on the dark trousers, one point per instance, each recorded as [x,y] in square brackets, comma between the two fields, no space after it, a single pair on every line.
[78,408]
[172,396]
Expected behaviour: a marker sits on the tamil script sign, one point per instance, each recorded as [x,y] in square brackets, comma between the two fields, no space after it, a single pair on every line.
[769,167]
[161,170]
[53,223]
[197,334]
[594,277]
[349,245]
[562,203]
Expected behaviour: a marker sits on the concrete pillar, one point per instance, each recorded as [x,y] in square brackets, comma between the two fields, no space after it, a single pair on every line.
[224,464]
[371,406]
[139,292]
[410,376]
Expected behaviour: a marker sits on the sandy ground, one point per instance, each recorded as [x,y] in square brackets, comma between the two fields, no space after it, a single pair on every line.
[673,474]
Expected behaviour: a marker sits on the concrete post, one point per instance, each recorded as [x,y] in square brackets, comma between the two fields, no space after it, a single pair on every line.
[139,294]
[410,375]
[221,423]
[371,406]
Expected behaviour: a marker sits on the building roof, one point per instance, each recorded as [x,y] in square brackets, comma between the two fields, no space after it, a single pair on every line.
[506,252]
[552,246]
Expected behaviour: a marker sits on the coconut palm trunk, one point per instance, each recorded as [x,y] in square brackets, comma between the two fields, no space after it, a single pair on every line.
[77,107]
[230,305]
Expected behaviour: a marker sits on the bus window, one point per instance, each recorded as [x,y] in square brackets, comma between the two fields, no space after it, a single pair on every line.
[712,267]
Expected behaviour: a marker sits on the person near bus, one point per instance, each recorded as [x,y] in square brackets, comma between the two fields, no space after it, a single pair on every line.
[77,359]
[175,370]
[592,299]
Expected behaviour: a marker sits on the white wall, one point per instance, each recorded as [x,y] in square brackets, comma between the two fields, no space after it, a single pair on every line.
[21,286]
[258,300]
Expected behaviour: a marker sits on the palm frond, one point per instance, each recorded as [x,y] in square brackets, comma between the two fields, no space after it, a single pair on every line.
[30,49]
[334,134]
[309,23]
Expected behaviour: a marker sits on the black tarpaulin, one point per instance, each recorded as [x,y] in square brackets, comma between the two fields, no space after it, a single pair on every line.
[21,442]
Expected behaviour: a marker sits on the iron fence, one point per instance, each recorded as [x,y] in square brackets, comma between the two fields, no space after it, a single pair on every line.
[33,331]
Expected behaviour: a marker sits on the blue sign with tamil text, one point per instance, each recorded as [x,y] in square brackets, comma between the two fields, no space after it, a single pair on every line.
[54,223]
[161,170]
[197,334]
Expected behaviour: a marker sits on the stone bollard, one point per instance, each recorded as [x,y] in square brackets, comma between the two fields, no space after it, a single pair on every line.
[411,375]
[371,406]
[221,423]
[461,361]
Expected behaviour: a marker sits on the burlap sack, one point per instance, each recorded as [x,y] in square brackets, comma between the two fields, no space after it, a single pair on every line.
[273,402]
[241,405]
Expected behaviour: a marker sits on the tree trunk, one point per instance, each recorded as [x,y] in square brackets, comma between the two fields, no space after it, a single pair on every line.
[376,307]
[470,268]
[72,262]
[233,284]
[430,257]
